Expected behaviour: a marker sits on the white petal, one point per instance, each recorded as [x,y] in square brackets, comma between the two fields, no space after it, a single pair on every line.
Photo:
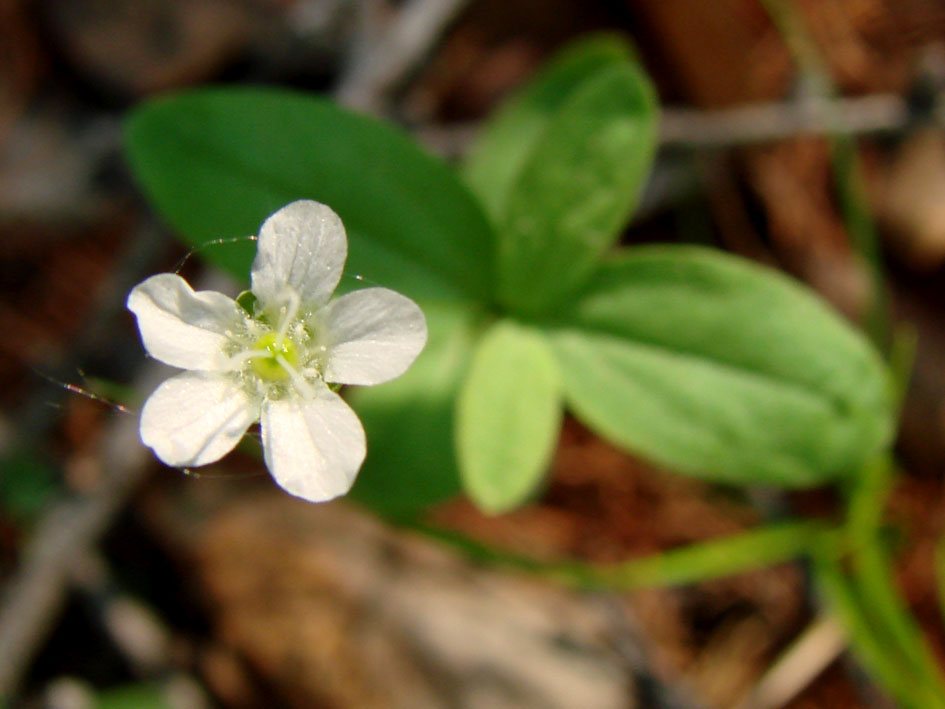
[180,327]
[196,418]
[372,335]
[313,448]
[303,247]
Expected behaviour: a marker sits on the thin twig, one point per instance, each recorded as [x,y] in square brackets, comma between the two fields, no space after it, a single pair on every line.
[766,122]
[67,532]
[136,632]
[382,59]
[690,128]
[816,648]
[37,590]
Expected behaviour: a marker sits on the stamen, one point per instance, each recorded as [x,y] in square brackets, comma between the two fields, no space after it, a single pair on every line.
[303,386]
[291,312]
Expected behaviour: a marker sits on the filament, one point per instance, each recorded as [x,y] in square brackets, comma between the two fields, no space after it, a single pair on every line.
[297,379]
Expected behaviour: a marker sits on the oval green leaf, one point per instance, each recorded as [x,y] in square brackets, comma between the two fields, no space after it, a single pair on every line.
[577,189]
[506,139]
[216,162]
[507,417]
[722,369]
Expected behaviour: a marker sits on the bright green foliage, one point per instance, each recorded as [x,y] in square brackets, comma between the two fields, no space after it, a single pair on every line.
[216,162]
[722,369]
[576,189]
[506,141]
[560,168]
[508,417]
[700,361]
[409,422]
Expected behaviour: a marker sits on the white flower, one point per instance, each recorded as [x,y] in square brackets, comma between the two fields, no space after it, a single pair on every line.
[274,366]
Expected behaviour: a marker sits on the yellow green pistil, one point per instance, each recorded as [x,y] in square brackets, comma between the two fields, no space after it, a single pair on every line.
[267,365]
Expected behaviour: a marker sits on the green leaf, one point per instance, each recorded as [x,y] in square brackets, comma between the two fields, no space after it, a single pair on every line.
[134,696]
[577,189]
[722,369]
[27,484]
[890,668]
[216,162]
[410,464]
[508,417]
[503,145]
[738,553]
[871,571]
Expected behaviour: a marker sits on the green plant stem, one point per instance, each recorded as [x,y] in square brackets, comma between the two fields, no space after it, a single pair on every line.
[873,576]
[888,668]
[902,361]
[848,173]
[738,553]
[883,635]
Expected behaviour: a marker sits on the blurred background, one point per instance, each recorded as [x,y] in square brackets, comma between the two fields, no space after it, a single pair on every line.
[128,584]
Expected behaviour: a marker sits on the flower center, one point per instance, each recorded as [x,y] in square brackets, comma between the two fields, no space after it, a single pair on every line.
[267,365]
